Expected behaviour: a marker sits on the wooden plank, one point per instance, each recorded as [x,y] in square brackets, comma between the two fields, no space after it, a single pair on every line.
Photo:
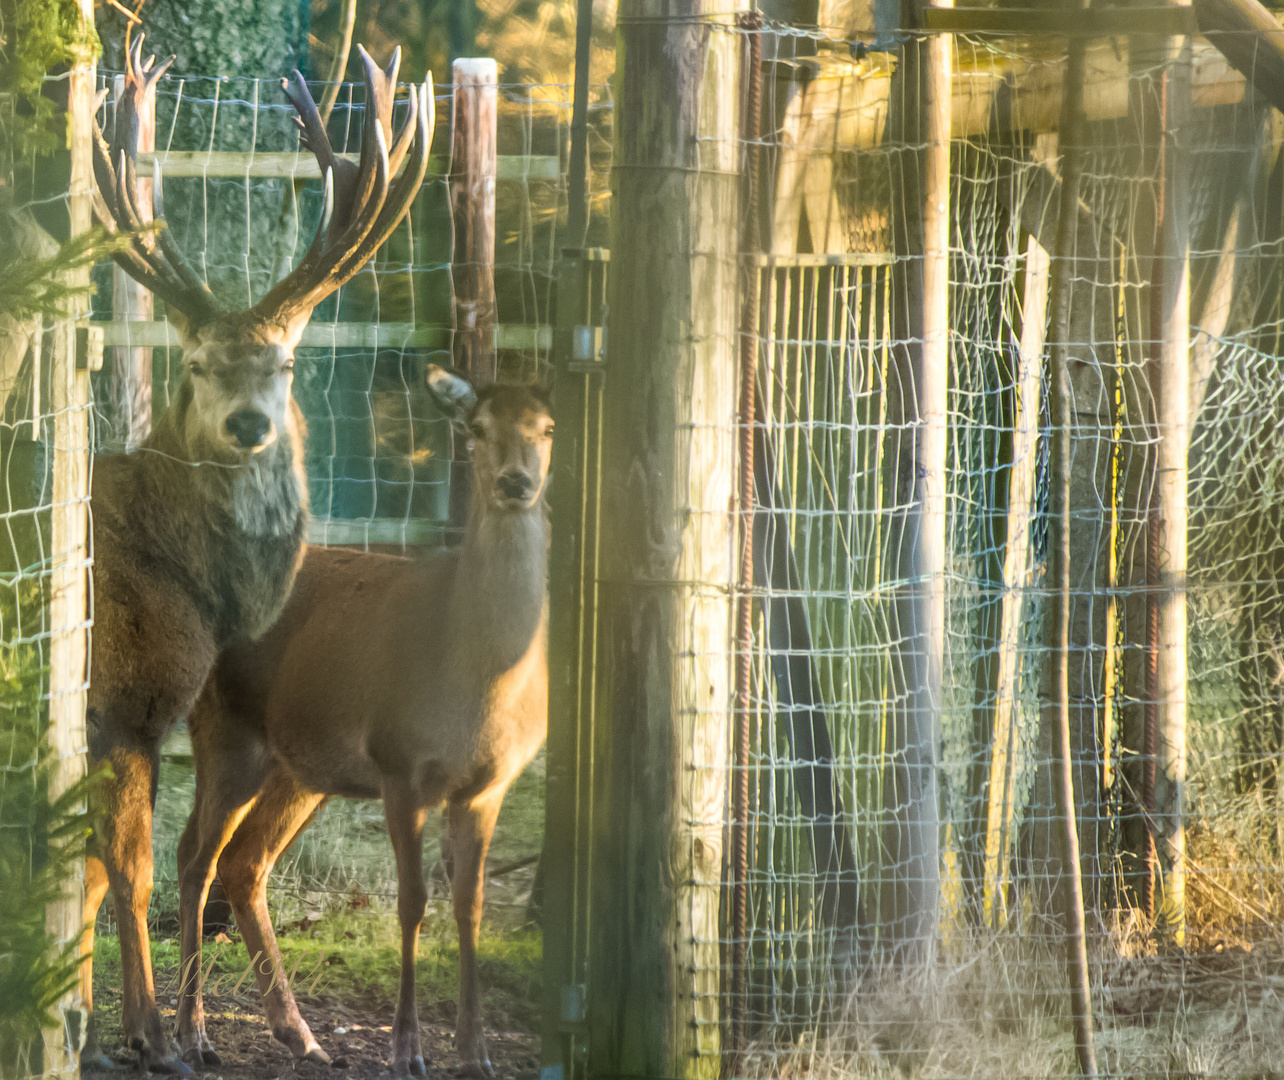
[1017,578]
[544,168]
[507,336]
[129,406]
[1162,19]
[69,611]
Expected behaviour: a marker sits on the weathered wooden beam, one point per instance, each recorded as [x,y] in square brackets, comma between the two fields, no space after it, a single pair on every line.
[1251,38]
[286,165]
[1161,19]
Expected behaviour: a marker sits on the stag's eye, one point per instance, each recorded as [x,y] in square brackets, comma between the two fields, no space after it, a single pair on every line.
[476,431]
[288,365]
[196,369]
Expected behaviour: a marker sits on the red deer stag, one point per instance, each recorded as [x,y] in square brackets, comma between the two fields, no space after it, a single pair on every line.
[415,681]
[199,533]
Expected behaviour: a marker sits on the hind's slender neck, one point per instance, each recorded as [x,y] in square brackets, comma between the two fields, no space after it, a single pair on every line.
[498,603]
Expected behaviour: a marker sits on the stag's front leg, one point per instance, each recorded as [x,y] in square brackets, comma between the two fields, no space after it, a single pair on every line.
[95,890]
[471,827]
[280,814]
[124,844]
[405,813]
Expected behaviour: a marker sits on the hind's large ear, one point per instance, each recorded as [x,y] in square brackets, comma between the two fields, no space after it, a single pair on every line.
[452,392]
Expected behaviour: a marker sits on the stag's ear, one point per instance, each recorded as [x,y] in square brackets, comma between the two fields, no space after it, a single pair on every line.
[452,392]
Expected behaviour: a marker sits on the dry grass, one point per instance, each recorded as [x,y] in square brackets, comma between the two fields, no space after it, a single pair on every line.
[998,1008]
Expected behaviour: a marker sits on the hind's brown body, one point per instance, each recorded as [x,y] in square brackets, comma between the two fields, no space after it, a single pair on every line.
[415,681]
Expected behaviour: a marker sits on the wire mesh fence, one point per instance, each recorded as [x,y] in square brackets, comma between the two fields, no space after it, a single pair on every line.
[830,661]
[241,197]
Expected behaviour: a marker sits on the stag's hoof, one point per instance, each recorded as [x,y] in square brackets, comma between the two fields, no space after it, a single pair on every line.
[198,1057]
[413,1066]
[98,1061]
[167,1066]
[301,1044]
[315,1053]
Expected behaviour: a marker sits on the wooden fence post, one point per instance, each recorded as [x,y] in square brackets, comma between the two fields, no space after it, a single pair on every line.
[130,394]
[69,599]
[667,545]
[1172,404]
[919,124]
[1060,417]
[474,139]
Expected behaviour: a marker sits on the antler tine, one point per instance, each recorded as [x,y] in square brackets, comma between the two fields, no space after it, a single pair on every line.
[419,128]
[161,268]
[363,204]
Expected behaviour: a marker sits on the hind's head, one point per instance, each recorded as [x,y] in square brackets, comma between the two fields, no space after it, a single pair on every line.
[510,433]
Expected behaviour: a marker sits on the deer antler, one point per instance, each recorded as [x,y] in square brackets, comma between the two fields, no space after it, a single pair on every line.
[153,258]
[362,202]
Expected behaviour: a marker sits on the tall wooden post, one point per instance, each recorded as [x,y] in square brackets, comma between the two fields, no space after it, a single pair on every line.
[919,128]
[1171,389]
[69,600]
[667,547]
[474,140]
[130,395]
[1060,415]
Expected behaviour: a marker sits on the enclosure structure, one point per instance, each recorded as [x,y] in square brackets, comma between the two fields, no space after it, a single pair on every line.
[890,768]
[1093,374]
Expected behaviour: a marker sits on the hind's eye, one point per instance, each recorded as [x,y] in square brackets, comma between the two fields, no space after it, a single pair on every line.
[288,365]
[477,431]
[196,369]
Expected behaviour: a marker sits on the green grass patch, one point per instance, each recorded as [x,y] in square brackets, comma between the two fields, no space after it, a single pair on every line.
[353,958]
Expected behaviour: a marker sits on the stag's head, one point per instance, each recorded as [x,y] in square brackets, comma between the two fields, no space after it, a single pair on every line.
[510,434]
[240,364]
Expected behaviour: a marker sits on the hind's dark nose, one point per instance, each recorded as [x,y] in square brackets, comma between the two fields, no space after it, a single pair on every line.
[248,427]
[514,485]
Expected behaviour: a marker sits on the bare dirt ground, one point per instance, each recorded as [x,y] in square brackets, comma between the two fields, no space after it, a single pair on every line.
[357,1040]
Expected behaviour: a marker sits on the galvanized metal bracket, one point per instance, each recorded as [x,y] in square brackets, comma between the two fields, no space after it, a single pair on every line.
[588,348]
[89,347]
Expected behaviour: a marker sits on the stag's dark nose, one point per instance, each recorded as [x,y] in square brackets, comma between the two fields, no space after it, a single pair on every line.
[515,485]
[248,427]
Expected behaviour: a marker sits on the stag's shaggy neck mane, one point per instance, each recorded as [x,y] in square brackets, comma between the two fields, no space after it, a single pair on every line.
[233,533]
[498,599]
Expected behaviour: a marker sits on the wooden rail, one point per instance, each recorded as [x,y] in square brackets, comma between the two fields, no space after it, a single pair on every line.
[342,335]
[299,165]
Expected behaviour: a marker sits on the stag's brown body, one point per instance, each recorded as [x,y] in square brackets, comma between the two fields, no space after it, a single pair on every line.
[199,533]
[417,681]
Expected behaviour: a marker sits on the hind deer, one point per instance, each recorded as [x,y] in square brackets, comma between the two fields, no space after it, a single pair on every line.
[415,681]
[199,533]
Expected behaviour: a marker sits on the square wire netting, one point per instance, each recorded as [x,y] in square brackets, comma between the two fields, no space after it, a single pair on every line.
[832,673]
